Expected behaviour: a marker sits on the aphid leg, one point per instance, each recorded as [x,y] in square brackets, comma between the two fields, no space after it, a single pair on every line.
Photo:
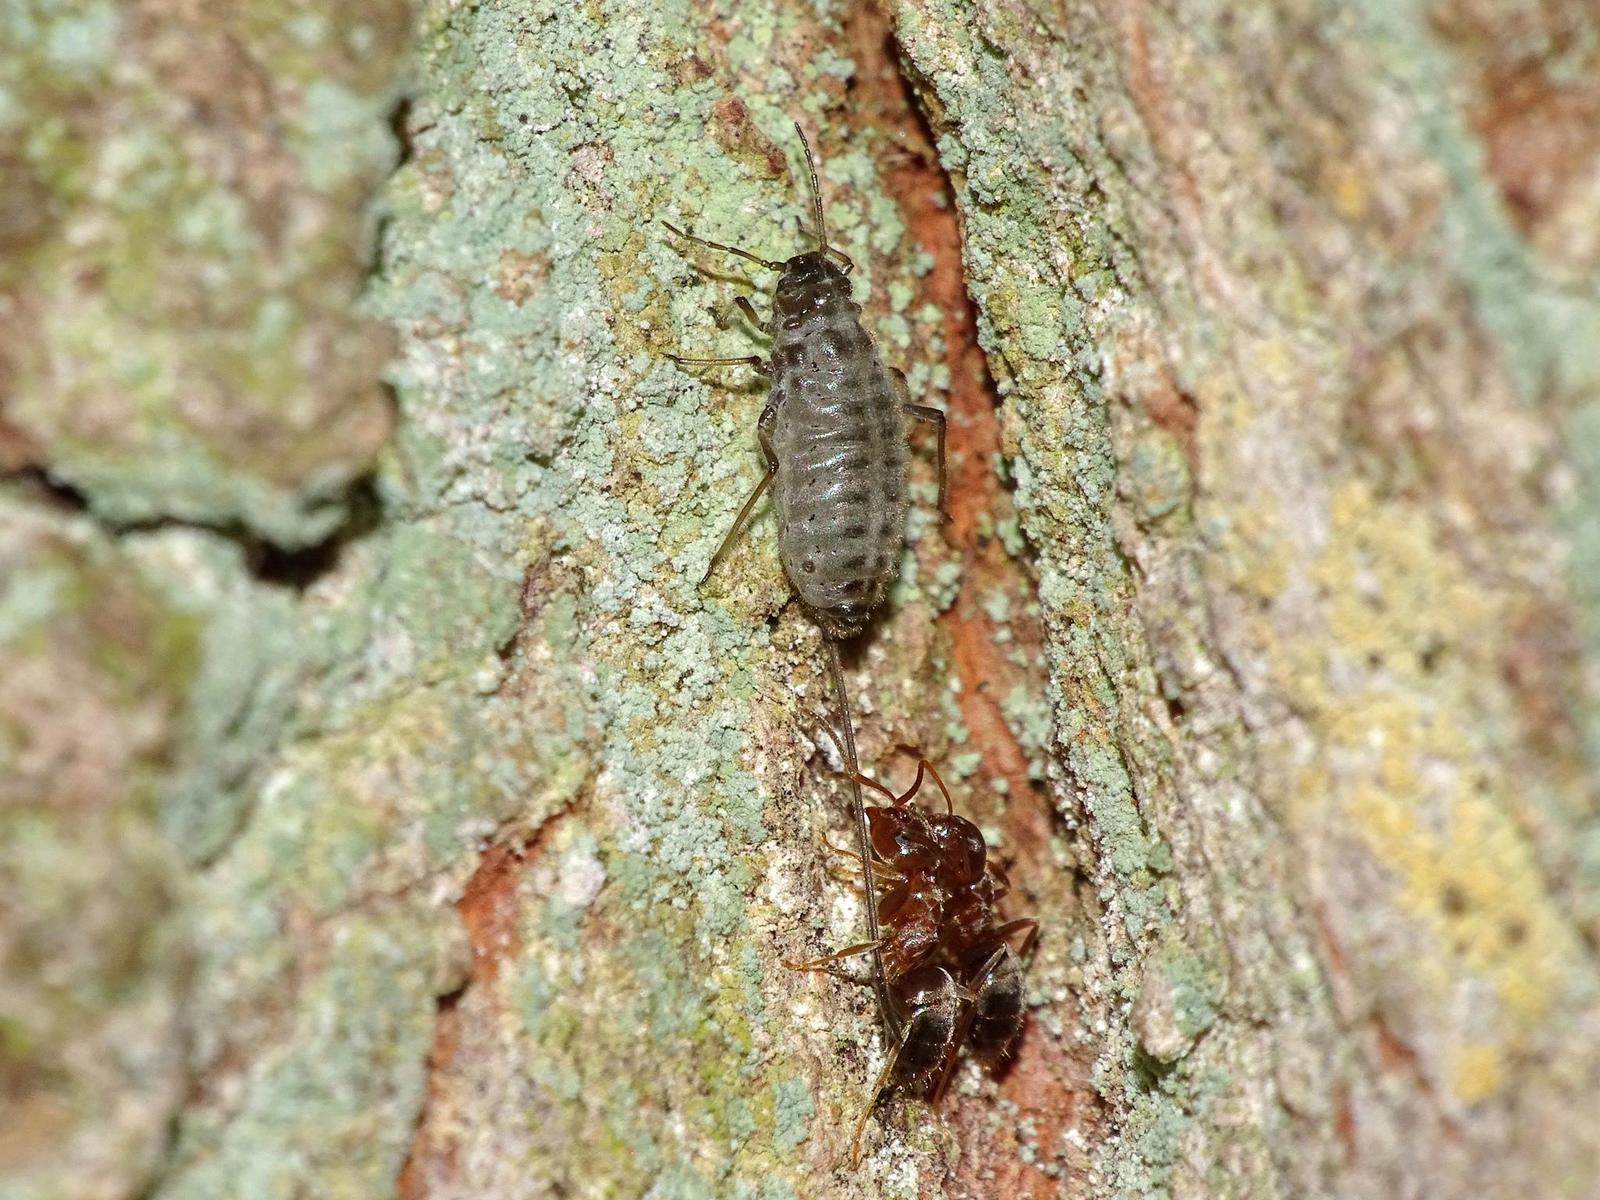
[738,521]
[764,436]
[749,311]
[934,417]
[922,412]
[855,776]
[747,360]
[841,693]
[763,262]
[816,964]
[838,748]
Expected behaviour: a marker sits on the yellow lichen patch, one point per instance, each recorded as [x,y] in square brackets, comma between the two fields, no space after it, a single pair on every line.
[1347,188]
[1476,1072]
[1393,591]
[1252,535]
[1475,891]
[1408,764]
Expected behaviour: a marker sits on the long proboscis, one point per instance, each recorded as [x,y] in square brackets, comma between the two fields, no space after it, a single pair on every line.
[863,834]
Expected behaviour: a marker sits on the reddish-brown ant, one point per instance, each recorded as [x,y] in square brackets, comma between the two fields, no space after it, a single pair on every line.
[952,975]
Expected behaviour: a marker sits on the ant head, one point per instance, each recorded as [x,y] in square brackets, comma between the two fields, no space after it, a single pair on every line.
[961,847]
[900,836]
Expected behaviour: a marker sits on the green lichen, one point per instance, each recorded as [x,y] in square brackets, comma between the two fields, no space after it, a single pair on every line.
[199,277]
[93,974]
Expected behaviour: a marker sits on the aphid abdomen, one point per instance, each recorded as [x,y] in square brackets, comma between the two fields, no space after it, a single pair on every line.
[840,439]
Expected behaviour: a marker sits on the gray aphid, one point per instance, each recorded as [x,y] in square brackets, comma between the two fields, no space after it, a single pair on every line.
[834,436]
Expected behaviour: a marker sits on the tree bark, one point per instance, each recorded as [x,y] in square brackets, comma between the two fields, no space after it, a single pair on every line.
[389,813]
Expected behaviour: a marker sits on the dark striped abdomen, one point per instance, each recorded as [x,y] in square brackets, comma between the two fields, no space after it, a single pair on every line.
[840,440]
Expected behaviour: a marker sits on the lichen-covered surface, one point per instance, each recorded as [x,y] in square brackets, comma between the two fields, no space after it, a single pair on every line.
[1290,375]
[181,243]
[91,1051]
[399,818]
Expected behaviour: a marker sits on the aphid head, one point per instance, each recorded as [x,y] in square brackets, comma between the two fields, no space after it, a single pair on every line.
[808,270]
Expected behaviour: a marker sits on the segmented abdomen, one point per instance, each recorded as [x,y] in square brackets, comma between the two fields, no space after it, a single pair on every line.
[840,439]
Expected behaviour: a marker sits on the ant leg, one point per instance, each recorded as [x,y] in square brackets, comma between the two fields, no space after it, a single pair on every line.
[1028,923]
[816,964]
[754,361]
[881,871]
[922,412]
[872,1103]
[764,435]
[969,1013]
[1002,881]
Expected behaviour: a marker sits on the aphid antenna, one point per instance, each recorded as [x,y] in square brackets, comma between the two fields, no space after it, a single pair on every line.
[816,197]
[816,188]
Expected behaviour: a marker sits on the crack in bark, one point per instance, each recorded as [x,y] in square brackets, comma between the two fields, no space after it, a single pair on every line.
[489,912]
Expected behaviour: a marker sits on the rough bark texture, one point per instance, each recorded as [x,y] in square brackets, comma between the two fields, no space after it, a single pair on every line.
[385,812]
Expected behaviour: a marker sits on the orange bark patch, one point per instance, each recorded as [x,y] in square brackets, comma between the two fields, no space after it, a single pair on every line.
[488,909]
[519,276]
[739,136]
[431,1157]
[1539,123]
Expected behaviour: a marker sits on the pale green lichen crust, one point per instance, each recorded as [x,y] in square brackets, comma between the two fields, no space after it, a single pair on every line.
[184,236]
